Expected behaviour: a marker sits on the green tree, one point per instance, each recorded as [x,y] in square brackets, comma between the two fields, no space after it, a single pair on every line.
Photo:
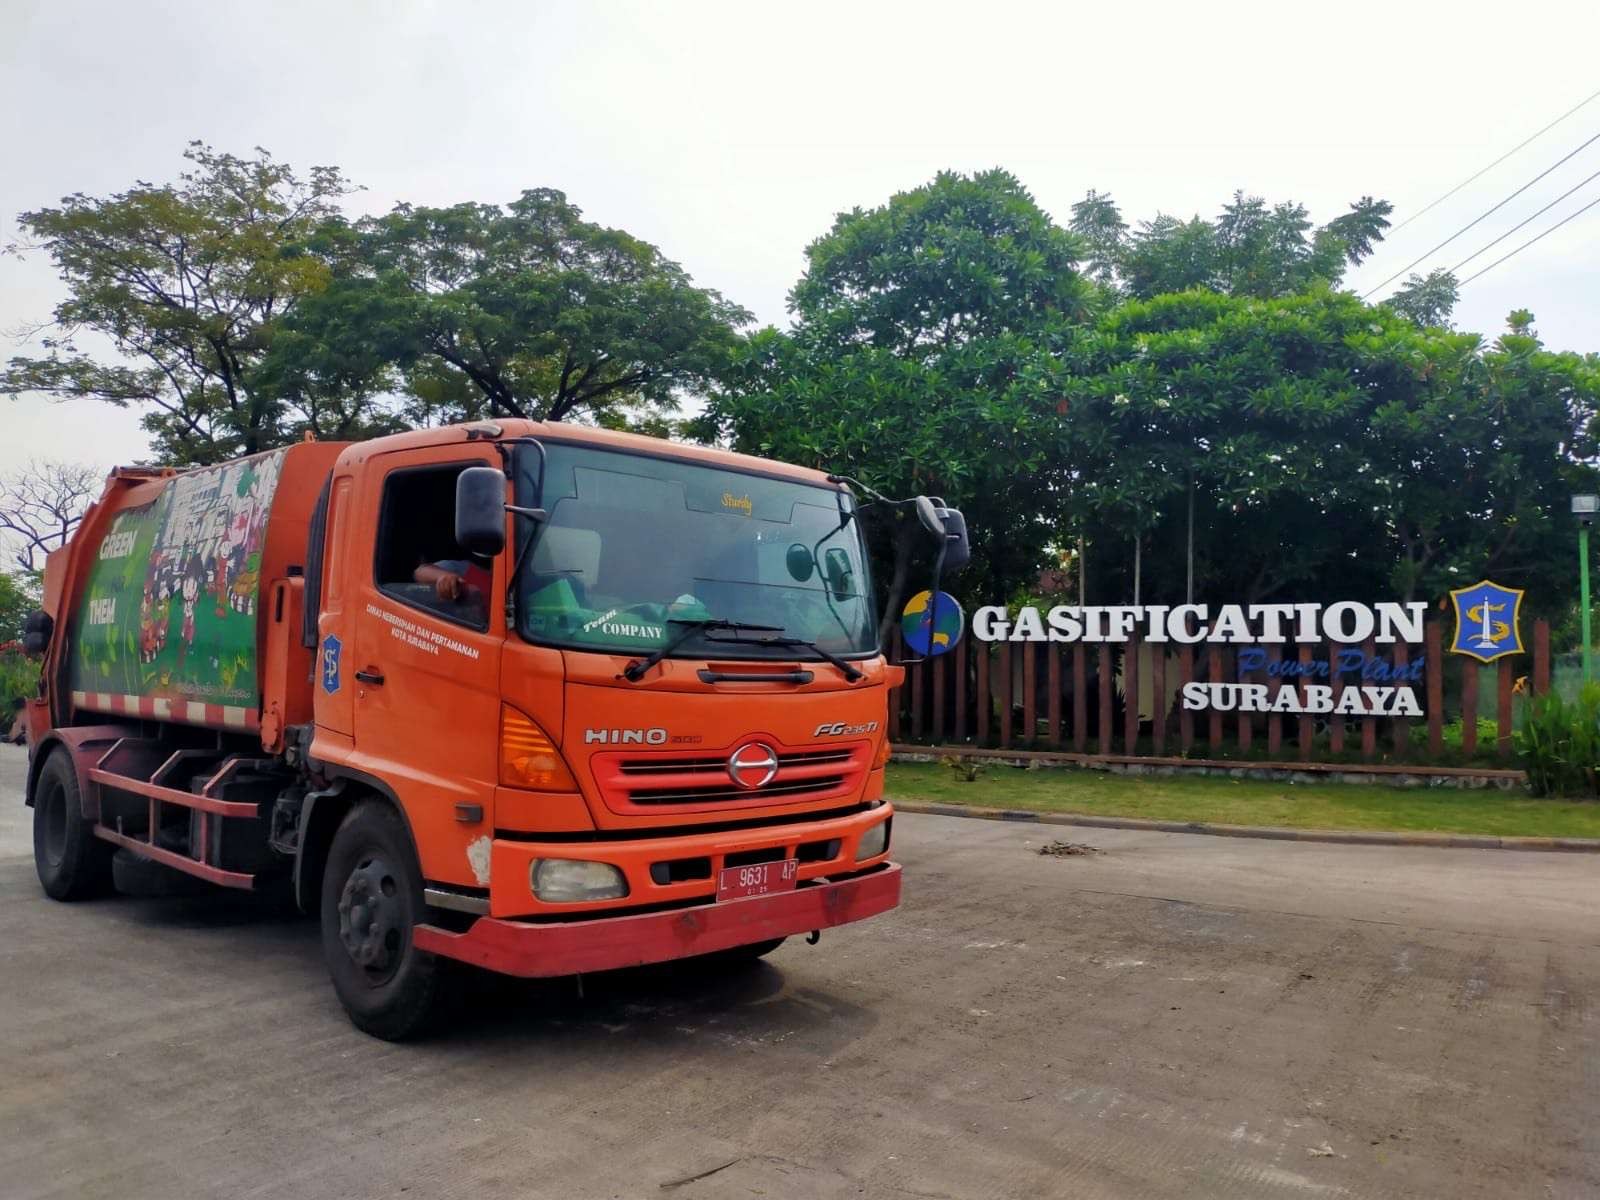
[1334,450]
[922,330]
[19,596]
[1249,249]
[1426,300]
[525,310]
[1098,222]
[183,285]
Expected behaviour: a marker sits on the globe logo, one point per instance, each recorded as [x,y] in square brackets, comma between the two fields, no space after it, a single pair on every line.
[930,632]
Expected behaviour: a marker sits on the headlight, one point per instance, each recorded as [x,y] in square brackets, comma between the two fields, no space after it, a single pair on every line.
[567,881]
[873,842]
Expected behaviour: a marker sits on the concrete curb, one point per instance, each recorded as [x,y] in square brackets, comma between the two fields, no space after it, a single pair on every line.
[1350,837]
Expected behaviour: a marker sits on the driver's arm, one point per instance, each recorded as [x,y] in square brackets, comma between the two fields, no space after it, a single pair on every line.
[448,583]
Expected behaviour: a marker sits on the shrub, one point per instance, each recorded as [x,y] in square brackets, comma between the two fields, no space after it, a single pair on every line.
[964,767]
[1558,743]
[19,679]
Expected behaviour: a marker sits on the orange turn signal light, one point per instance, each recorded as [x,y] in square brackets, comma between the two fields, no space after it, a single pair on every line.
[528,758]
[881,758]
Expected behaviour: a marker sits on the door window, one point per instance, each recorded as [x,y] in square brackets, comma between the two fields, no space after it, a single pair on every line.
[418,561]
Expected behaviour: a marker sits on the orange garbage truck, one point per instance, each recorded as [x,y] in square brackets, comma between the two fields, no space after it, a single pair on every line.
[539,698]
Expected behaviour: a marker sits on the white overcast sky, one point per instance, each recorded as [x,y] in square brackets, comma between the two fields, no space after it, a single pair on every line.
[730,134]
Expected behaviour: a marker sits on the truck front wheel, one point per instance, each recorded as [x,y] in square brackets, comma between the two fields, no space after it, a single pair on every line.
[72,862]
[371,901]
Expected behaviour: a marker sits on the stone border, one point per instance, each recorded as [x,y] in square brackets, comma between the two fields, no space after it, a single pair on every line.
[1457,841]
[1385,774]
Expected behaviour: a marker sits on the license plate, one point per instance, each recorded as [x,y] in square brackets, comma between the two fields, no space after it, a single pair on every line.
[759,879]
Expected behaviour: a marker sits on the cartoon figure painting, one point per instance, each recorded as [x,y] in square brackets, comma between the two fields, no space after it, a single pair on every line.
[194,577]
[176,597]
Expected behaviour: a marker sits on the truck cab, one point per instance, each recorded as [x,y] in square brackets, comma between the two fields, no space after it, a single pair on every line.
[541,698]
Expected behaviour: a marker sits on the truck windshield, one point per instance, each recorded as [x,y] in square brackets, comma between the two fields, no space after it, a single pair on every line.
[638,549]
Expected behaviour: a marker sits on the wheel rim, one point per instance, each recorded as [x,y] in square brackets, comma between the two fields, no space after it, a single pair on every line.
[372,918]
[55,824]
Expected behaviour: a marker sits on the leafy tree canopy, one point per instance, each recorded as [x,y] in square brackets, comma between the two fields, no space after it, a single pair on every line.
[179,288]
[1426,300]
[1335,450]
[1248,249]
[522,310]
[921,330]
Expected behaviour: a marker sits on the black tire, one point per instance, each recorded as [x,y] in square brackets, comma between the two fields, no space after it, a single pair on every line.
[72,863]
[371,901]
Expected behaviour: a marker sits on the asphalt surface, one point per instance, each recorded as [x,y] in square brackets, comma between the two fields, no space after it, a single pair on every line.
[1174,1015]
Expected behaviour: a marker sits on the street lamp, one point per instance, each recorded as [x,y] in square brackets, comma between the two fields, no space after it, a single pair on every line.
[1585,508]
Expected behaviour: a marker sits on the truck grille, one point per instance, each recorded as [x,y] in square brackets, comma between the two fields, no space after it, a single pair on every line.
[654,781]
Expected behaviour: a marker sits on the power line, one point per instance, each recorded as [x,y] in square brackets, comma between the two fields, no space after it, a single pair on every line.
[1530,242]
[1481,217]
[1520,224]
[1493,165]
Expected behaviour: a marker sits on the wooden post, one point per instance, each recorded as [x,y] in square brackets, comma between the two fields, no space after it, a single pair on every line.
[1541,657]
[959,682]
[1130,696]
[1185,717]
[917,672]
[1003,683]
[1214,675]
[1030,693]
[1274,721]
[937,722]
[1402,726]
[1433,647]
[1469,706]
[982,701]
[1508,673]
[1336,682]
[1080,699]
[1247,722]
[1105,698]
[1369,726]
[1052,680]
[1307,725]
[1158,697]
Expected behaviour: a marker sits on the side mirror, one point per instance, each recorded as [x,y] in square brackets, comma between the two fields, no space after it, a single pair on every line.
[837,573]
[799,562]
[957,552]
[948,525]
[481,511]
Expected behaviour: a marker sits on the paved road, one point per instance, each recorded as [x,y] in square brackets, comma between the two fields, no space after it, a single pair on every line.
[1173,1016]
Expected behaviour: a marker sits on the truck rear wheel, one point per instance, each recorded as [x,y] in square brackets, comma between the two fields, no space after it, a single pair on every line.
[371,901]
[72,862]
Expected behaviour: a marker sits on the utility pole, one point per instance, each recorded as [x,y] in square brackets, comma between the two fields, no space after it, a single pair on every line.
[1583,576]
[1585,508]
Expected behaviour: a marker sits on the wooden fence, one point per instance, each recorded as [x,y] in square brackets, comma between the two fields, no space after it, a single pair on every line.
[1072,697]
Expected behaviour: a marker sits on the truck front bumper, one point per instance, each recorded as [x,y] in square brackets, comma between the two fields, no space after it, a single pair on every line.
[542,949]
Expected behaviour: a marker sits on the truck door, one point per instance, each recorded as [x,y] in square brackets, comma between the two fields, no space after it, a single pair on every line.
[332,690]
[425,671]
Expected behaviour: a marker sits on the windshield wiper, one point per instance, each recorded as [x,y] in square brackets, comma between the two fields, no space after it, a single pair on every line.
[634,671]
[851,674]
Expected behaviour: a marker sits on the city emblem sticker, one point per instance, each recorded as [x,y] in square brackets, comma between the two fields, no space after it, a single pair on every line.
[1487,621]
[934,631]
[330,664]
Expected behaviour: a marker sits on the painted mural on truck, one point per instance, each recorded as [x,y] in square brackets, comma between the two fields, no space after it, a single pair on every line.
[170,609]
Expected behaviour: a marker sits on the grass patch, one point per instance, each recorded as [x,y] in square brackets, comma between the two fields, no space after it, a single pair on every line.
[1249,801]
